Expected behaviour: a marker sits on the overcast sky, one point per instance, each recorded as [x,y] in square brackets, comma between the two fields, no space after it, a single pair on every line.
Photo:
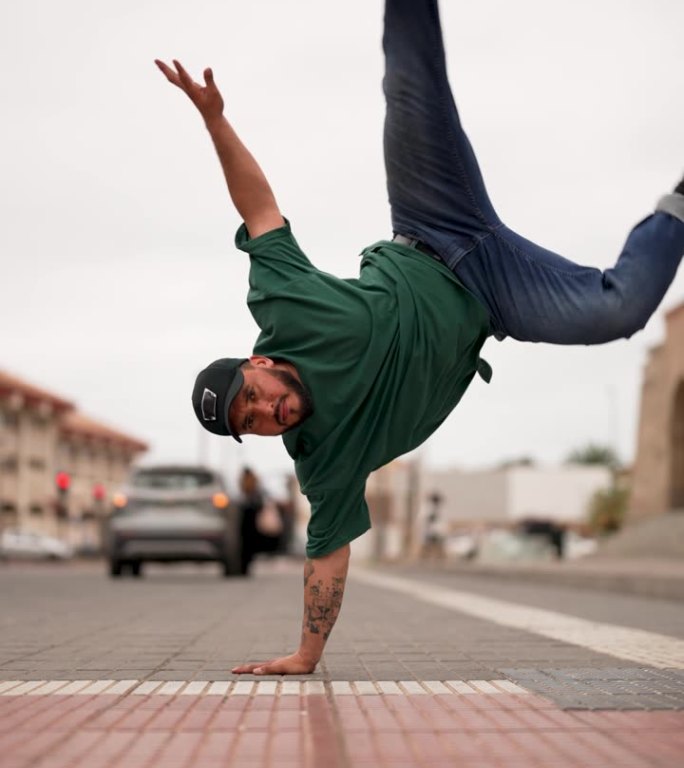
[119,276]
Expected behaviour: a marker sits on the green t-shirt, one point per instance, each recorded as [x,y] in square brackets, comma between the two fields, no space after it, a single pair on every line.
[386,357]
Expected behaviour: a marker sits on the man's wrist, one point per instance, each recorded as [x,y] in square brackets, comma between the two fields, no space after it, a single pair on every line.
[213,122]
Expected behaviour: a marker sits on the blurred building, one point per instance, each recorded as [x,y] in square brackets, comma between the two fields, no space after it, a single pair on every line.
[658,479]
[398,497]
[393,494]
[513,493]
[43,440]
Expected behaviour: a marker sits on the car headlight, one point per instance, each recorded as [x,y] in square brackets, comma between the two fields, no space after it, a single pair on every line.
[220,500]
[119,500]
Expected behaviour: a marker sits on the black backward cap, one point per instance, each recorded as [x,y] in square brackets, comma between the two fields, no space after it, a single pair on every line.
[214,391]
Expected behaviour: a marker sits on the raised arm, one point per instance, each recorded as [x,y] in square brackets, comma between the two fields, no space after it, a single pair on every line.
[324,580]
[249,190]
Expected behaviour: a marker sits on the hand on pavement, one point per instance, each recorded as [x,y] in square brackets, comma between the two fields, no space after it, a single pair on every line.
[286,665]
[207,98]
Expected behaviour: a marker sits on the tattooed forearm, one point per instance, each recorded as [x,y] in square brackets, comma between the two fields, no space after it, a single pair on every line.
[323,593]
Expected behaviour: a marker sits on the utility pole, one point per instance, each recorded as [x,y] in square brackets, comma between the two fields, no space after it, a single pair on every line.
[412,491]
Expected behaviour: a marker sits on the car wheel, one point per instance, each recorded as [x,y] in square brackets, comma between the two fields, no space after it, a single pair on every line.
[136,568]
[230,568]
[115,568]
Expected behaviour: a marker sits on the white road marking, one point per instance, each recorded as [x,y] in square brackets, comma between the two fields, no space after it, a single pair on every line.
[649,648]
[149,686]
[434,686]
[219,688]
[20,690]
[508,687]
[461,687]
[121,687]
[252,688]
[313,687]
[389,687]
[7,684]
[483,686]
[75,687]
[411,686]
[49,687]
[341,688]
[194,688]
[365,688]
[99,686]
[171,687]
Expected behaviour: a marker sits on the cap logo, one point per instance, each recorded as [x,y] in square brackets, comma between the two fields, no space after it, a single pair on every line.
[208,405]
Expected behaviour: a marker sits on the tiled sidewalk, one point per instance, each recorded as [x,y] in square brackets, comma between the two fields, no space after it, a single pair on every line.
[316,725]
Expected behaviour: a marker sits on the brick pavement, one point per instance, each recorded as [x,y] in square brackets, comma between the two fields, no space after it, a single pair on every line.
[325,728]
[105,674]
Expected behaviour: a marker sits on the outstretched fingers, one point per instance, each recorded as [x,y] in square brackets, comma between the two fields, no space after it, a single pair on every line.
[186,80]
[206,98]
[255,669]
[179,77]
[168,73]
[286,665]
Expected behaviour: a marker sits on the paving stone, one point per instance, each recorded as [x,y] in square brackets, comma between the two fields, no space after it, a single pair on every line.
[169,628]
[584,688]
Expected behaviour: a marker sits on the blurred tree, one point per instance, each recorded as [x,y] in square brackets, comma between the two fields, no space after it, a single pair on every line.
[593,453]
[607,510]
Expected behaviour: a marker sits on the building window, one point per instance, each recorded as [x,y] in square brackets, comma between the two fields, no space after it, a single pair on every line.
[9,463]
[8,515]
[36,510]
[36,463]
[8,419]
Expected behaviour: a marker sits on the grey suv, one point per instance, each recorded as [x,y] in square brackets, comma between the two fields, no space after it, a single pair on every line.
[173,513]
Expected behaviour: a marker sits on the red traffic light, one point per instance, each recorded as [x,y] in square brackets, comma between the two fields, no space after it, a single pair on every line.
[98,492]
[63,481]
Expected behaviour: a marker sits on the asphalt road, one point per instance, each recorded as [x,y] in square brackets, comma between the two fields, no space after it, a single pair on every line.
[580,649]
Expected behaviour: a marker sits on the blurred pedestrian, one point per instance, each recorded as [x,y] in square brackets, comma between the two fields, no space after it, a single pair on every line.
[261,525]
[434,532]
[251,503]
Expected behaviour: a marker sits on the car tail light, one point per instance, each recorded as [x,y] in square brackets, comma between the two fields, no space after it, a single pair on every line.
[119,500]
[220,500]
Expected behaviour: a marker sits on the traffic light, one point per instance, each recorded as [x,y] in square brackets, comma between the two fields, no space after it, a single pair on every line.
[63,482]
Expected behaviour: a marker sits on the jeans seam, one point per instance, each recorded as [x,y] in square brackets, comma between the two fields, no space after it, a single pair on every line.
[477,241]
[445,97]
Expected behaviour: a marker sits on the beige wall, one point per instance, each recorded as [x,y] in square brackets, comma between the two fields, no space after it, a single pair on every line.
[659,464]
[478,496]
[90,462]
[32,451]
[27,437]
[506,495]
[562,494]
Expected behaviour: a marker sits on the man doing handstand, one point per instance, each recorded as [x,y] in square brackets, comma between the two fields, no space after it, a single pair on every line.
[355,372]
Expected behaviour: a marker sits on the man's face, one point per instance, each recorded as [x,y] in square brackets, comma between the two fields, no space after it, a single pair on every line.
[271,400]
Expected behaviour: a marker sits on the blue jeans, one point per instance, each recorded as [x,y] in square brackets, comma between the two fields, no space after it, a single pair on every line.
[437,195]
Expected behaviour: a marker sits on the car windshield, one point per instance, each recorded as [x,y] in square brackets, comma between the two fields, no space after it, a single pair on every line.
[172,480]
